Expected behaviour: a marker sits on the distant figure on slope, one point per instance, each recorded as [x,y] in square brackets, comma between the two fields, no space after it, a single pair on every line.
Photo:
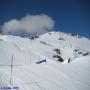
[69,60]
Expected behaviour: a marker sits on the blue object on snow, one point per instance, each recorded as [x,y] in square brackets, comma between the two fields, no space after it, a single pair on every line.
[41,61]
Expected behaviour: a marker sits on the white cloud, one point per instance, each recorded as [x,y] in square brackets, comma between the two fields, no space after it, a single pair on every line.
[29,24]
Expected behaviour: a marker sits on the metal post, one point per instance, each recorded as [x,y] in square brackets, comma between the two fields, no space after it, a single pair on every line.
[11,70]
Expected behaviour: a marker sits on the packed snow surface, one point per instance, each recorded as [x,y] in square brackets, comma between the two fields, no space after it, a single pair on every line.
[55,48]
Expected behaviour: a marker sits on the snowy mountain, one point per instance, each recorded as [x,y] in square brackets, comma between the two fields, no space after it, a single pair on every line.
[52,61]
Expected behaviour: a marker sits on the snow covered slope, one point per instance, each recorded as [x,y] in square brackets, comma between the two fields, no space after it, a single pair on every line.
[66,68]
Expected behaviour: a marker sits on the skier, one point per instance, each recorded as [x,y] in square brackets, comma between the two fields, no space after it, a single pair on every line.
[69,60]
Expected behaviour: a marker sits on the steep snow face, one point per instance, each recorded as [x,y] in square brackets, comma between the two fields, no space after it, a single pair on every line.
[66,62]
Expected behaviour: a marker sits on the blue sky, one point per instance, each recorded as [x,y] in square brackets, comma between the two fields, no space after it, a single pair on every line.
[69,15]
